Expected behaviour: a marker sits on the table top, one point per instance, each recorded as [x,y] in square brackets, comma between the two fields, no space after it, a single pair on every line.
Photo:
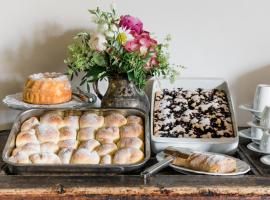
[166,183]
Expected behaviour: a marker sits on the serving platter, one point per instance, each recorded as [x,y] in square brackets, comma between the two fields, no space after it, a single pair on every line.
[16,102]
[218,145]
[241,167]
[73,168]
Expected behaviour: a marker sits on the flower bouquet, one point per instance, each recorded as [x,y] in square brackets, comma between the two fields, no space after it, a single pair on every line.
[119,47]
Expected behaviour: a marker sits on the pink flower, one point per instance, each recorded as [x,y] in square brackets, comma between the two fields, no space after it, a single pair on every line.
[142,43]
[152,62]
[132,46]
[131,23]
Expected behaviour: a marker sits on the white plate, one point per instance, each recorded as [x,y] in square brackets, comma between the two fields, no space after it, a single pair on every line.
[246,133]
[256,148]
[218,145]
[15,101]
[254,112]
[241,167]
[265,160]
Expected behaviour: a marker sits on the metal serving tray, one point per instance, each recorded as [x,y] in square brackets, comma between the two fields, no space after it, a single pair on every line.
[75,168]
[218,145]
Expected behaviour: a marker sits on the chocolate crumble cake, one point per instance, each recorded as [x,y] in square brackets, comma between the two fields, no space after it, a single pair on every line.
[198,113]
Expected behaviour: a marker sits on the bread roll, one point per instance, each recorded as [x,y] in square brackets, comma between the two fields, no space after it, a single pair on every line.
[45,158]
[107,135]
[91,120]
[72,121]
[20,157]
[73,144]
[67,133]
[47,133]
[133,142]
[128,156]
[115,119]
[49,147]
[31,123]
[106,160]
[86,134]
[52,119]
[89,144]
[84,156]
[131,130]
[65,155]
[108,148]
[133,119]
[29,149]
[26,137]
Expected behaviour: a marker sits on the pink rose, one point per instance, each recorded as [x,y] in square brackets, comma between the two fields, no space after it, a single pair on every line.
[131,23]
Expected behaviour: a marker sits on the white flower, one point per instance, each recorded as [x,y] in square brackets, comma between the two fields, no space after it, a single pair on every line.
[103,27]
[98,42]
[109,33]
[124,36]
[114,28]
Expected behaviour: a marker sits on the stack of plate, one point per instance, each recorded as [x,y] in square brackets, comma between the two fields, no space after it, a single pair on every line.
[255,133]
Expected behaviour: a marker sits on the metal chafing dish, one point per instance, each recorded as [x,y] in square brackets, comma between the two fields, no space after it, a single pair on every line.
[73,168]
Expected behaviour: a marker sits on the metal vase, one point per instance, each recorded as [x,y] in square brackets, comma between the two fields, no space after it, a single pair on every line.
[122,93]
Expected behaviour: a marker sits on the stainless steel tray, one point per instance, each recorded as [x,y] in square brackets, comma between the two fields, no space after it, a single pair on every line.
[75,168]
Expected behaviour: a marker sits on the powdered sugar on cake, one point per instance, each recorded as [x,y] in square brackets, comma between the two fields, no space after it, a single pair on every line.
[46,75]
[195,113]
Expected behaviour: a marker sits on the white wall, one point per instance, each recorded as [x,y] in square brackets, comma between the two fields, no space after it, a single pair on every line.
[212,38]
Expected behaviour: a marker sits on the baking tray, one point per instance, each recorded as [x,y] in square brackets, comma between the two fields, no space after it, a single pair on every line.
[218,145]
[76,168]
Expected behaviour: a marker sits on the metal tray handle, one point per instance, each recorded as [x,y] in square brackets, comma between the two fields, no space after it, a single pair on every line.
[157,167]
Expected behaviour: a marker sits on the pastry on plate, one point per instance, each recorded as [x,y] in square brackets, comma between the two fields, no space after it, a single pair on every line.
[47,88]
[203,161]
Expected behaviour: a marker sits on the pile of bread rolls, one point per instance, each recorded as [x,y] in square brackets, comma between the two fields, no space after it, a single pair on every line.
[73,137]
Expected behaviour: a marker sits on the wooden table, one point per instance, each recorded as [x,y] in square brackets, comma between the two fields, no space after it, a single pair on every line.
[166,184]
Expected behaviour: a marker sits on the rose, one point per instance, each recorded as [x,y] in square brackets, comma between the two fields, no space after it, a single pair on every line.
[98,42]
[131,23]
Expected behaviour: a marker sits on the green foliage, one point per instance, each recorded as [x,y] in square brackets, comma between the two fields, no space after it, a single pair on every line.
[115,60]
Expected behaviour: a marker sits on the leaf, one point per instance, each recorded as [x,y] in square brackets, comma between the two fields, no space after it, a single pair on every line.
[99,59]
[92,11]
[130,75]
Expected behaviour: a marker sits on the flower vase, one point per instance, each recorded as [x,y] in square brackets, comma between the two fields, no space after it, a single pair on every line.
[122,93]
